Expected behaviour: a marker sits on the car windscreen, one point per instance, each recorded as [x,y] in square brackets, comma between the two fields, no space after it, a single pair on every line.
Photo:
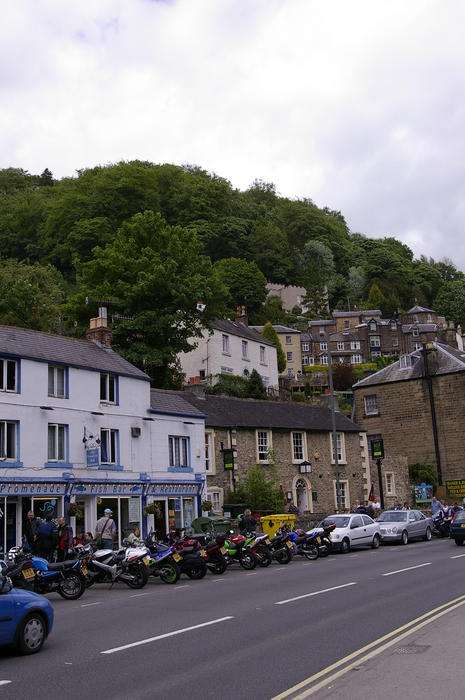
[393,517]
[459,516]
[338,521]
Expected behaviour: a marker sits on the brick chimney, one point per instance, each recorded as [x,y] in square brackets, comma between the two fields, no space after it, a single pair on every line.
[241,316]
[98,331]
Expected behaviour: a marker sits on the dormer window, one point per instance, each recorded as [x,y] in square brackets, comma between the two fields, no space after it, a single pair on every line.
[415,319]
[405,361]
[8,375]
[108,388]
[373,326]
[415,332]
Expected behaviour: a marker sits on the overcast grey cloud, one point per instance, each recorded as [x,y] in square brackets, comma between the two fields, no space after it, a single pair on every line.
[356,104]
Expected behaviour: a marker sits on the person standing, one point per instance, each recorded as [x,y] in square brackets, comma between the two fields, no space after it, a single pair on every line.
[30,531]
[436,505]
[106,529]
[45,538]
[65,539]
[248,523]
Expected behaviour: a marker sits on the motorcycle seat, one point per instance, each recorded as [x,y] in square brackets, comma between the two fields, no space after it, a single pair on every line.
[57,566]
[300,540]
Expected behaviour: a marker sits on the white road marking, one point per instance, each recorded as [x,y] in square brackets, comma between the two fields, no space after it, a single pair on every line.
[280,568]
[168,634]
[218,580]
[136,595]
[87,605]
[309,595]
[458,556]
[252,573]
[178,588]
[409,568]
[5,682]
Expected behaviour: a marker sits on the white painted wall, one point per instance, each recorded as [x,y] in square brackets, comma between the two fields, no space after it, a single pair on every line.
[209,356]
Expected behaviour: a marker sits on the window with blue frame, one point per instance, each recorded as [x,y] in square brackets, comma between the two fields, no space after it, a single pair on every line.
[109,443]
[9,375]
[179,451]
[58,382]
[109,388]
[9,440]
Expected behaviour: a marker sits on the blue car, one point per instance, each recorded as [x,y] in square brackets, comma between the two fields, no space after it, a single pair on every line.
[26,619]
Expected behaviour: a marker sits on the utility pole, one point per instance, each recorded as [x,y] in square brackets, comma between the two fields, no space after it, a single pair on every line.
[333,422]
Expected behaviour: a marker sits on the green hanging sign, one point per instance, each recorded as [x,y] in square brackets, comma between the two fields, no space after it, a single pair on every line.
[228,457]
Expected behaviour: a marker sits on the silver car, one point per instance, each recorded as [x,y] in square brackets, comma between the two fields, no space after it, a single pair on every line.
[404,525]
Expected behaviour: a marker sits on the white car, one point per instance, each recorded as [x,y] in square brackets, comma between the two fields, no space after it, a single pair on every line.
[352,530]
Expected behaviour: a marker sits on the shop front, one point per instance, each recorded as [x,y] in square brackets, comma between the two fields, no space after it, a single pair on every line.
[177,505]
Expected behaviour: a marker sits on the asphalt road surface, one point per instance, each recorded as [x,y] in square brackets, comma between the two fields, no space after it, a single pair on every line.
[245,634]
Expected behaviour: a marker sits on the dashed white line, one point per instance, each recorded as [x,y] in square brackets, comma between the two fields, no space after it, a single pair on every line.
[5,682]
[409,568]
[137,595]
[309,595]
[168,634]
[252,573]
[88,605]
[458,556]
[178,588]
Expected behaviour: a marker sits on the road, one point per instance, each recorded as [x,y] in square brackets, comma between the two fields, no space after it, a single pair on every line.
[245,634]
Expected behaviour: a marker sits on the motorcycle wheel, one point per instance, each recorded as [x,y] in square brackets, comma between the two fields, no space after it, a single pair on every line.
[323,551]
[311,552]
[283,556]
[139,574]
[170,573]
[72,586]
[197,572]
[248,561]
[218,567]
[264,559]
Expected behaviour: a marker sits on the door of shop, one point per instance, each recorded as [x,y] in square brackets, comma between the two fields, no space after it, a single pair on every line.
[7,524]
[125,513]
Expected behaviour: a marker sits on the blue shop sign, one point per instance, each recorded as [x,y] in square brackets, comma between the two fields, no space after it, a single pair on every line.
[92,455]
[173,489]
[39,488]
[107,489]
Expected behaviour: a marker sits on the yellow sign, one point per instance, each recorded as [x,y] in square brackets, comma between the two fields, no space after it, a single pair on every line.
[456,489]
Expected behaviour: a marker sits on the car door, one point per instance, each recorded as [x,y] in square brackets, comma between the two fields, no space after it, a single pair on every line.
[412,525]
[7,617]
[357,532]
[370,528]
[421,523]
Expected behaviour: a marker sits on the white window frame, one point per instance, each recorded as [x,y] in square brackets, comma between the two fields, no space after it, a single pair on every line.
[245,350]
[110,437]
[8,451]
[323,359]
[372,325]
[58,430]
[225,344]
[305,347]
[340,345]
[109,379]
[356,360]
[341,445]
[417,346]
[344,486]
[405,362]
[346,324]
[393,326]
[53,373]
[311,360]
[5,363]
[371,405]
[305,360]
[376,353]
[178,451]
[289,357]
[375,341]
[390,481]
[288,340]
[212,493]
[259,442]
[415,332]
[324,346]
[263,355]
[355,345]
[303,445]
[210,452]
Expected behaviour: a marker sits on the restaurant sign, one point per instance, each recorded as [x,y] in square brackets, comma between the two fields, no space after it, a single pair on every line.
[42,488]
[107,489]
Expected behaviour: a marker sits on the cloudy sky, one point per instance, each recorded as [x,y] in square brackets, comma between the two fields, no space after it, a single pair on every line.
[357,104]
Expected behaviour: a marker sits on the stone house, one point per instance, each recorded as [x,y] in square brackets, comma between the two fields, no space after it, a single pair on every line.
[297,434]
[417,406]
[290,296]
[290,343]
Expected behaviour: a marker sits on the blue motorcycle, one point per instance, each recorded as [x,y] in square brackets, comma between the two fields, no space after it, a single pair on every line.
[66,578]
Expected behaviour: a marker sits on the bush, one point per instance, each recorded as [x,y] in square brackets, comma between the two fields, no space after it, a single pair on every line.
[423,474]
[260,490]
[299,396]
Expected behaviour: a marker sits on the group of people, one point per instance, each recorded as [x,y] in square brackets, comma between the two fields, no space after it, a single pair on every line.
[48,538]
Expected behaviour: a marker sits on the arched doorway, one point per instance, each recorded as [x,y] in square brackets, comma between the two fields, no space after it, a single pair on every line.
[303,494]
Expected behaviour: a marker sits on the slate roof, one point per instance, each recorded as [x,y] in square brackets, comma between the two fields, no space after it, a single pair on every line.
[63,350]
[172,403]
[240,329]
[228,412]
[278,329]
[419,310]
[449,360]
[422,327]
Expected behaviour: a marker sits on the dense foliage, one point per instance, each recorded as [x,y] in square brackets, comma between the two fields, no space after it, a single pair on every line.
[153,240]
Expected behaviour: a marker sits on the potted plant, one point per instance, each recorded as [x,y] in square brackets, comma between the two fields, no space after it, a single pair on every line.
[73,510]
[206,506]
[153,509]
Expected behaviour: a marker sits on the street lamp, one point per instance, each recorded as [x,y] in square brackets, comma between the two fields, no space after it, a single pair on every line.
[333,422]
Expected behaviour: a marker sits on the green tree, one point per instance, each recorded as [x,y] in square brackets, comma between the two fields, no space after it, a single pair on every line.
[153,274]
[270,334]
[450,301]
[318,268]
[261,489]
[375,297]
[255,387]
[30,295]
[269,248]
[244,281]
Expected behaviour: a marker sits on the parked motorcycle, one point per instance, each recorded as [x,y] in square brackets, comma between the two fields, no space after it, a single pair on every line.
[304,544]
[126,565]
[67,578]
[192,555]
[281,547]
[441,523]
[163,560]
[323,539]
[238,549]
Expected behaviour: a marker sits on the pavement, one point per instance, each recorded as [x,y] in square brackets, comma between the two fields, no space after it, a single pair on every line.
[326,629]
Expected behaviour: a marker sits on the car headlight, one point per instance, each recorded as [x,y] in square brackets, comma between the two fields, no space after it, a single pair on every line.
[335,536]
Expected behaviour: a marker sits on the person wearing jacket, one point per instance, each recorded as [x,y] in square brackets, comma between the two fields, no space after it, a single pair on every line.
[248,523]
[65,539]
[30,531]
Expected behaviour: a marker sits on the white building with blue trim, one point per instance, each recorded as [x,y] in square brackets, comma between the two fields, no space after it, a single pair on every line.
[78,424]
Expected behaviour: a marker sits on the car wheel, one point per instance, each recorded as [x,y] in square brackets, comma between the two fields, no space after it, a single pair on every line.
[428,534]
[345,545]
[458,542]
[376,541]
[31,633]
[404,537]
